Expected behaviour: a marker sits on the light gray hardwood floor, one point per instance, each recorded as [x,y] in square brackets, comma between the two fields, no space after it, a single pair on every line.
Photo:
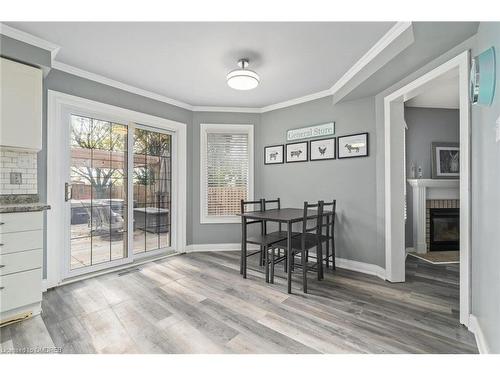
[198,303]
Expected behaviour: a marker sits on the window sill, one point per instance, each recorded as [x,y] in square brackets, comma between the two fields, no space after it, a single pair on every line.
[220,220]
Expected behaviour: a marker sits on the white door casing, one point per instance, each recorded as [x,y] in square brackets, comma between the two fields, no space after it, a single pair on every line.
[394,189]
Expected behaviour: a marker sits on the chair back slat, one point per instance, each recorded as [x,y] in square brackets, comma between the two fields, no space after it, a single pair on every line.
[318,218]
[266,202]
[243,209]
[329,214]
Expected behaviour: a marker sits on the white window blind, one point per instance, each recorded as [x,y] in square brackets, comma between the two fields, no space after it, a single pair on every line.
[226,170]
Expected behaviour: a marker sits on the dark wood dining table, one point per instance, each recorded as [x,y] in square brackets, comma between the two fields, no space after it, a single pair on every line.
[288,216]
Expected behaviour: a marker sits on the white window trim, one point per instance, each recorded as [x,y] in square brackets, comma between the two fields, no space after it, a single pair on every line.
[231,129]
[58,105]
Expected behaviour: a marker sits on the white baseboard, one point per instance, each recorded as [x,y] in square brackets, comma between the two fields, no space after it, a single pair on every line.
[353,265]
[475,328]
[217,247]
[370,269]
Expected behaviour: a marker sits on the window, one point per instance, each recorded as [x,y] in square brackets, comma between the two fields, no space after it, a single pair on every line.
[226,171]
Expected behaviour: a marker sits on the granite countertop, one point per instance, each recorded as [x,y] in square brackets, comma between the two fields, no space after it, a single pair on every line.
[21,203]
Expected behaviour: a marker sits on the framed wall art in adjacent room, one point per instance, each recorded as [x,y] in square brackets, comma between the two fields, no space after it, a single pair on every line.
[445,160]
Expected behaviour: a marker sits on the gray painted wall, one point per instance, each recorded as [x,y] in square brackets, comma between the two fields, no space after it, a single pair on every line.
[214,233]
[426,125]
[486,202]
[350,181]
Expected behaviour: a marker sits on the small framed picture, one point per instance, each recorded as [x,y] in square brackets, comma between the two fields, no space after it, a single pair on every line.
[352,146]
[322,149]
[273,154]
[445,160]
[296,152]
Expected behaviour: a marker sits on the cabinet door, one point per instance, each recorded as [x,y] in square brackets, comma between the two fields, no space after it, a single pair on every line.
[21,103]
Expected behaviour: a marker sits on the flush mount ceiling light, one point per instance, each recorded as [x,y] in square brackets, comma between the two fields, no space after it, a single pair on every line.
[243,79]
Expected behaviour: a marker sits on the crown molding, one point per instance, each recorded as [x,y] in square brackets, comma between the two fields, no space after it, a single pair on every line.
[30,39]
[119,85]
[302,99]
[389,37]
[366,59]
[201,108]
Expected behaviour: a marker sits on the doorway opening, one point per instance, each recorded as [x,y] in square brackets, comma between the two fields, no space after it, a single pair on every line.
[439,181]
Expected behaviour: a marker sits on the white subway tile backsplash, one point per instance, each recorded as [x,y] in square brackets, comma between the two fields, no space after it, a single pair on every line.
[18,161]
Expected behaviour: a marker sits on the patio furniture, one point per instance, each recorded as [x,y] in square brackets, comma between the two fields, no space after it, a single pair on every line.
[151,219]
[80,213]
[103,220]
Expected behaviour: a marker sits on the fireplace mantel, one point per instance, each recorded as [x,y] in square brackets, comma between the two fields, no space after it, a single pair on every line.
[424,189]
[434,183]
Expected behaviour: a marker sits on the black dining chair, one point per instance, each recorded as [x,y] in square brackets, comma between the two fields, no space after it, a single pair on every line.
[326,237]
[273,237]
[257,206]
[265,238]
[329,215]
[309,238]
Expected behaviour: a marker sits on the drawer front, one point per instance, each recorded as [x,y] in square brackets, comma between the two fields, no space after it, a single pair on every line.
[23,261]
[15,242]
[20,289]
[21,221]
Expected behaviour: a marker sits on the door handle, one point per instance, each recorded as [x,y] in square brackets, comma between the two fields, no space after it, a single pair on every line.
[68,192]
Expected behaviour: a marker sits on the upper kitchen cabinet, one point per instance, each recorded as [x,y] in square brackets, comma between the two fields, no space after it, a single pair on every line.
[20,105]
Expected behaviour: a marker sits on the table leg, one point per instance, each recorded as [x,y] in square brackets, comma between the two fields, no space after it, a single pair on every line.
[319,249]
[244,246]
[289,257]
[266,262]
[271,264]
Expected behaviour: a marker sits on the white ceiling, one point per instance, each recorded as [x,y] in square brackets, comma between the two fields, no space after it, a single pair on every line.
[443,93]
[189,61]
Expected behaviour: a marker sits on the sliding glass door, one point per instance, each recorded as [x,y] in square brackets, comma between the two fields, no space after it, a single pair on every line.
[119,194]
[152,177]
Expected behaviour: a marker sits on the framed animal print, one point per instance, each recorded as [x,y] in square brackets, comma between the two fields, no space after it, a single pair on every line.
[322,149]
[296,152]
[352,146]
[445,160]
[273,154]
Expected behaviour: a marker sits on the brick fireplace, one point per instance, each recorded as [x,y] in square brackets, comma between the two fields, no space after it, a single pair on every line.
[446,206]
[430,194]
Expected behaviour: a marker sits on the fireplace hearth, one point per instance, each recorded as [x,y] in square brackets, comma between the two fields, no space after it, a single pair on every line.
[444,229]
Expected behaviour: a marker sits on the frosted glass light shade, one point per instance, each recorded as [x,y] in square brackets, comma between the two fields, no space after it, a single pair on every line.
[243,79]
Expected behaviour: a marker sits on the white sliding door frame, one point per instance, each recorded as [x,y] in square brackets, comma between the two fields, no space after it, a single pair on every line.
[394,194]
[60,106]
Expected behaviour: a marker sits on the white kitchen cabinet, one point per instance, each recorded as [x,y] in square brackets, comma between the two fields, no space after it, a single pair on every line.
[21,243]
[21,105]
